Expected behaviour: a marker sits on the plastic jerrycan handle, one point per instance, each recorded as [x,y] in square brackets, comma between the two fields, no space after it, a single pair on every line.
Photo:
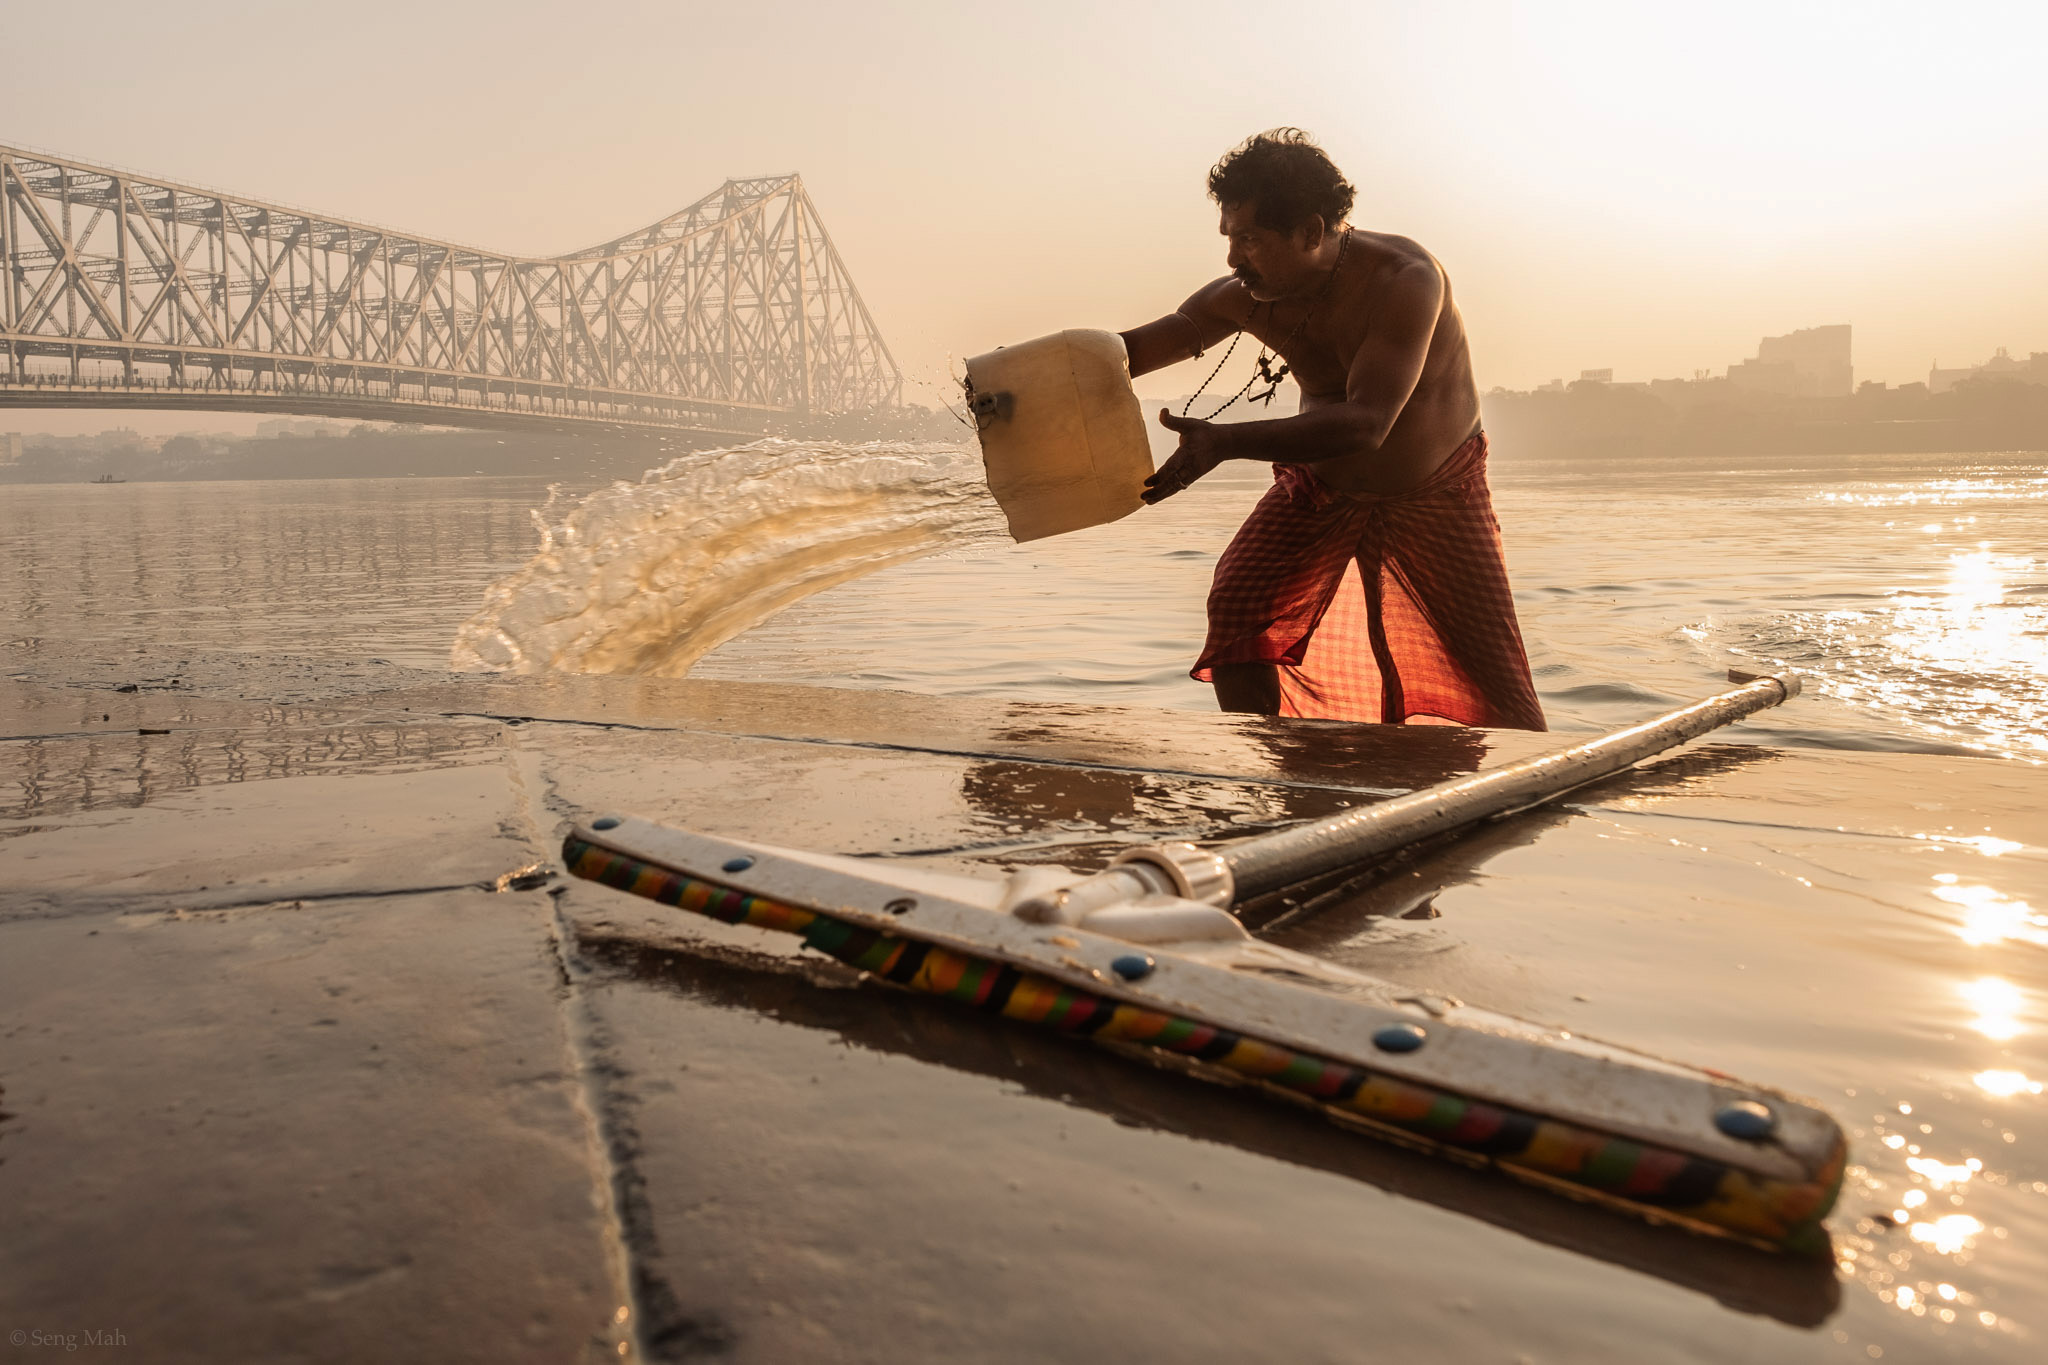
[1062,435]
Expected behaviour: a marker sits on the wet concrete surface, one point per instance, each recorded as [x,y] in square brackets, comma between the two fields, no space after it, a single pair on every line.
[345,1131]
[288,1077]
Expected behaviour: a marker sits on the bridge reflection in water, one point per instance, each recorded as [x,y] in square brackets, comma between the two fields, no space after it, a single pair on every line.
[735,315]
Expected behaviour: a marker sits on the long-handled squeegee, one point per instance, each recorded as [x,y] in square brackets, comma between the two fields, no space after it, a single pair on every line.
[1145,955]
[1236,872]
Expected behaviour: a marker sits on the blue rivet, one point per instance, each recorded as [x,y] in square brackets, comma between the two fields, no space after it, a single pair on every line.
[738,864]
[605,822]
[1132,966]
[1746,1119]
[1399,1037]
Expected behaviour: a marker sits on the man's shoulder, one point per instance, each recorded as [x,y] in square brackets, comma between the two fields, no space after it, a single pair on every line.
[1405,263]
[1224,299]
[1399,271]
[1396,249]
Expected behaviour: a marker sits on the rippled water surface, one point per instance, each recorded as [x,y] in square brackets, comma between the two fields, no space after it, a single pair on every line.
[1912,589]
[1866,930]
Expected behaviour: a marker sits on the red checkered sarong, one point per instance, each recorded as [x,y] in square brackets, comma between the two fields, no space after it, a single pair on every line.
[1377,607]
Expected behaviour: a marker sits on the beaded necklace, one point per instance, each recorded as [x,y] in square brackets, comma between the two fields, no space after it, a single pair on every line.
[1263,369]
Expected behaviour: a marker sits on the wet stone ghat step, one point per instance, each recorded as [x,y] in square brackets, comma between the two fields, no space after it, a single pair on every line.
[555,1120]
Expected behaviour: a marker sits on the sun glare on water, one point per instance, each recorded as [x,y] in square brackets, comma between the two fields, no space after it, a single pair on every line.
[2006,1084]
[1957,646]
[1997,1002]
[1990,649]
[1948,1234]
[1989,915]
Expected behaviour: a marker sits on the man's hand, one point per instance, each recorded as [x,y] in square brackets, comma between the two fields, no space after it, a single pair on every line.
[1201,450]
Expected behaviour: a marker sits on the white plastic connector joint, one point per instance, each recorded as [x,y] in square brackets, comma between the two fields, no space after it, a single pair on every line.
[1196,873]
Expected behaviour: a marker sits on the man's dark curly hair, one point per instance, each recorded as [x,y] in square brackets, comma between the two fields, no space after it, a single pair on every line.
[1285,177]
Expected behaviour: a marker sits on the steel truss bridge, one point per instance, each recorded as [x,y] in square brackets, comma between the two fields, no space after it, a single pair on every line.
[735,315]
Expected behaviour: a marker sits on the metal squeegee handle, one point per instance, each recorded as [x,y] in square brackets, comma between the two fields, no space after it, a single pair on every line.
[1271,861]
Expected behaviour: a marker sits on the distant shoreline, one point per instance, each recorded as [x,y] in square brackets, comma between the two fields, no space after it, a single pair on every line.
[602,471]
[1594,420]
[336,451]
[1585,426]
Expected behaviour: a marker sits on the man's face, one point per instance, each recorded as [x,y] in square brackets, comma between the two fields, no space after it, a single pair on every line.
[1271,264]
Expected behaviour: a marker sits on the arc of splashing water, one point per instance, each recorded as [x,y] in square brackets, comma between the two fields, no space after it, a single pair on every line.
[648,578]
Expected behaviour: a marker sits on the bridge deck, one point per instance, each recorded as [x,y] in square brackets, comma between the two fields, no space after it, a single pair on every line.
[125,291]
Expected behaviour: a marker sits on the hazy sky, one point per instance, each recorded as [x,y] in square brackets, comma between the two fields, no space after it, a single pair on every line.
[1645,186]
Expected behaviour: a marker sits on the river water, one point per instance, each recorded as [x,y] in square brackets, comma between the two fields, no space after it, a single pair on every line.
[1808,923]
[1911,590]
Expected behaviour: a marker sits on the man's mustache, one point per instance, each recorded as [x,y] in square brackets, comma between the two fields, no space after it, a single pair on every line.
[1246,275]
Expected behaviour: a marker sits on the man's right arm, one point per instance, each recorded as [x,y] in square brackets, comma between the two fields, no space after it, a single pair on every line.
[1181,335]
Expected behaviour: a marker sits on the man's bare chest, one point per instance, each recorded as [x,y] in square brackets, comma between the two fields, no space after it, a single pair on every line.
[1319,337]
[1318,354]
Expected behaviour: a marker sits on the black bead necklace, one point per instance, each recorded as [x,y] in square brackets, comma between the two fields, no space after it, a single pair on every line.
[1263,369]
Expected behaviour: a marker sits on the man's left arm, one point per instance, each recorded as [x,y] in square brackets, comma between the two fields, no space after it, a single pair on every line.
[1378,386]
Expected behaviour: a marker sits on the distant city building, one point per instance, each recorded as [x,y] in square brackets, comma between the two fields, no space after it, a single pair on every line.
[2032,370]
[1605,376]
[1810,363]
[1554,386]
[10,448]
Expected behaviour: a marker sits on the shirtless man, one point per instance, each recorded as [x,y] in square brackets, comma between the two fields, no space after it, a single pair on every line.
[1384,466]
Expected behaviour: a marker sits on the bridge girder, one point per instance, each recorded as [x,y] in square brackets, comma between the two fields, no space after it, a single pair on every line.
[735,314]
